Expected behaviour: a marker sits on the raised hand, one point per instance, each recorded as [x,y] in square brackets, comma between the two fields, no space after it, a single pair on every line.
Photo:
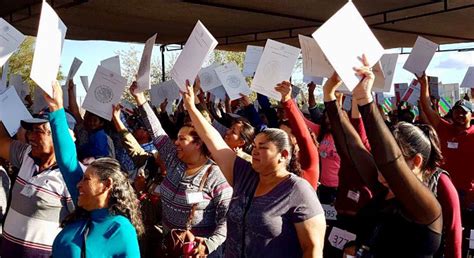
[163,105]
[188,96]
[55,102]
[330,87]
[362,93]
[139,96]
[311,86]
[284,88]
[116,110]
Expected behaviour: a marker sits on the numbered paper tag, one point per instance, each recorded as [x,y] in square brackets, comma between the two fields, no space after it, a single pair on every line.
[353,195]
[194,197]
[329,212]
[28,190]
[453,145]
[338,237]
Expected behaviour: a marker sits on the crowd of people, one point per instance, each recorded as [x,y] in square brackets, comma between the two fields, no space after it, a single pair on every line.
[231,179]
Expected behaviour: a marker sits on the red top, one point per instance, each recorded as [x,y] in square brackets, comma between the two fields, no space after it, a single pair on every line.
[457,150]
[309,156]
[452,229]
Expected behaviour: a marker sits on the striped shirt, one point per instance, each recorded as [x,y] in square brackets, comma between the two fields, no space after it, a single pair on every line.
[210,216]
[40,201]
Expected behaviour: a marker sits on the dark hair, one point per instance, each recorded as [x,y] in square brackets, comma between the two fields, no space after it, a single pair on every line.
[324,127]
[123,200]
[422,139]
[247,133]
[196,139]
[282,141]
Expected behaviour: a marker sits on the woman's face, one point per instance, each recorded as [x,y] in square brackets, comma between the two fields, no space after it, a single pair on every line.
[92,191]
[186,148]
[265,155]
[232,136]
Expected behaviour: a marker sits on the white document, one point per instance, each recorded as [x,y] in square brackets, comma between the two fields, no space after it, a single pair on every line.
[21,87]
[143,74]
[412,94]
[339,237]
[48,47]
[316,80]
[252,57]
[112,64]
[434,87]
[385,84]
[4,79]
[76,63]
[233,81]
[471,239]
[420,56]
[199,45]
[208,77]
[105,90]
[276,65]
[9,101]
[219,92]
[66,95]
[343,39]
[468,81]
[10,40]
[315,63]
[85,82]
[39,102]
[165,90]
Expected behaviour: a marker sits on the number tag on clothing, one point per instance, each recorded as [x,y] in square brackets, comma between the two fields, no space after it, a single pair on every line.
[353,195]
[329,212]
[194,197]
[339,237]
[28,191]
[453,145]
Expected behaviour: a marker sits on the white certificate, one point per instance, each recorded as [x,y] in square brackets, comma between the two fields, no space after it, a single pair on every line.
[143,74]
[315,64]
[420,56]
[9,101]
[388,63]
[105,90]
[165,90]
[219,92]
[10,40]
[468,81]
[200,44]
[40,103]
[21,87]
[314,79]
[252,57]
[276,65]
[343,39]
[208,77]
[233,81]
[48,47]
[112,64]
[434,87]
[76,63]
[4,79]
[85,82]
[412,94]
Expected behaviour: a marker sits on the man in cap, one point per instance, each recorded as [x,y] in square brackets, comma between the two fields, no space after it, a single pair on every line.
[40,199]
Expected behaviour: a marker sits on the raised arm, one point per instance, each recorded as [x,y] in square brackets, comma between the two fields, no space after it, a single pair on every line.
[425,102]
[64,147]
[309,155]
[73,107]
[129,143]
[349,145]
[418,202]
[222,154]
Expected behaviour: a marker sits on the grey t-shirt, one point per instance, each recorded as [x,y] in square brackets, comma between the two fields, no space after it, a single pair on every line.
[269,224]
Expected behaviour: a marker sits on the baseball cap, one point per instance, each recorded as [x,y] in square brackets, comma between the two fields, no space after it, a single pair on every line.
[464,104]
[37,119]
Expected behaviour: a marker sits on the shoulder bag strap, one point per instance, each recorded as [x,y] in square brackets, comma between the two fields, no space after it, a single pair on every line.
[201,187]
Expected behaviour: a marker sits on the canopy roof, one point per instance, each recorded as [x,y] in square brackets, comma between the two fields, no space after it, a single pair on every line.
[237,23]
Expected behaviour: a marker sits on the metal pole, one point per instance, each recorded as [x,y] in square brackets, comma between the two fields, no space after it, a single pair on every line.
[163,68]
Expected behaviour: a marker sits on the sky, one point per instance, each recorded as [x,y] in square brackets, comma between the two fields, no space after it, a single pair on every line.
[450,67]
